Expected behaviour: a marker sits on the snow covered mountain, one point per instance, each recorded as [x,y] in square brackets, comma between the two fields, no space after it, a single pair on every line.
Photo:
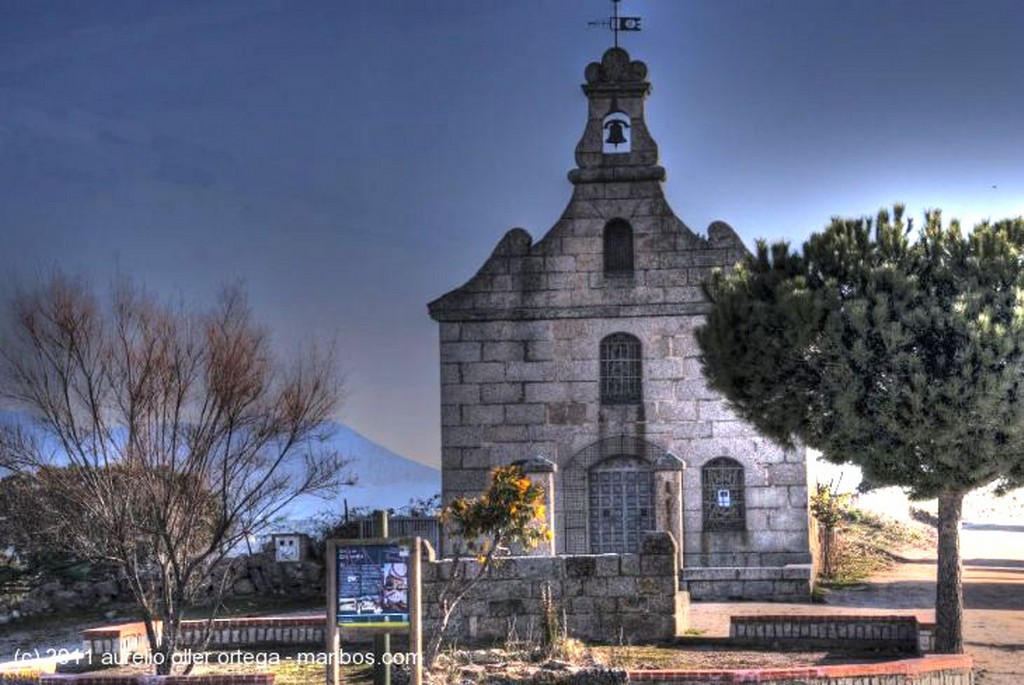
[383,479]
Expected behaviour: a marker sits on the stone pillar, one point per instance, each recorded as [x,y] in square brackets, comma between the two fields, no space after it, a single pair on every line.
[541,472]
[668,498]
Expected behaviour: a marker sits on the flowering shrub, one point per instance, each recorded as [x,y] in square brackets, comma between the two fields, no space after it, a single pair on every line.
[510,511]
[25,676]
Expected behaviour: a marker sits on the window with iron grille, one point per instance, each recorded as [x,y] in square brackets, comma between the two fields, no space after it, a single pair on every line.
[724,507]
[621,369]
[618,248]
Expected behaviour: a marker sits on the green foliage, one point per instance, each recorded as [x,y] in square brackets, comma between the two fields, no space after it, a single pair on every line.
[510,511]
[422,506]
[829,507]
[904,356]
[32,550]
[753,343]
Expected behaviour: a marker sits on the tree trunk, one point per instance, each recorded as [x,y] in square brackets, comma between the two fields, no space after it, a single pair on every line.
[949,595]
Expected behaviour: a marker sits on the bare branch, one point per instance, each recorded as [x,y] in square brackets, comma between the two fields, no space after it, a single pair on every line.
[172,436]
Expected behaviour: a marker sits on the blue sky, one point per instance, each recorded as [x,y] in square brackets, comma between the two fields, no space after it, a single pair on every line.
[351,161]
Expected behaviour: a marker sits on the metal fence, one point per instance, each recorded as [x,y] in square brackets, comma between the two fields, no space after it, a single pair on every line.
[426,527]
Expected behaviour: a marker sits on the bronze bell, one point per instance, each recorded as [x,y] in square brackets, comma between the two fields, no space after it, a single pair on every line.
[616,135]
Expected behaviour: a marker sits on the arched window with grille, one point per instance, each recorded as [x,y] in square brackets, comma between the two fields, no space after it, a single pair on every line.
[621,369]
[724,505]
[618,248]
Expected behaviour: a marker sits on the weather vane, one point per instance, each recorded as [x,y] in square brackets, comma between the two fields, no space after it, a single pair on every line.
[617,23]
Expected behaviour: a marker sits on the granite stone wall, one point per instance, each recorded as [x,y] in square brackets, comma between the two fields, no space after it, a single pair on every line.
[602,597]
[512,390]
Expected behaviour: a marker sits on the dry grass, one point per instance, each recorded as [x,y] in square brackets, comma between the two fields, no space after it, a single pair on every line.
[695,657]
[289,670]
[867,543]
[287,667]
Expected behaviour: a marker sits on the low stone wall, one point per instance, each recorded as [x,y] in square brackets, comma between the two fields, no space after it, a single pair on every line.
[136,679]
[259,574]
[256,632]
[253,575]
[600,597]
[888,633]
[791,583]
[929,670]
[63,596]
[121,641]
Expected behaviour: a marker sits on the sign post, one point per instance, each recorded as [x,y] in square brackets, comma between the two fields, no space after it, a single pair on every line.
[374,586]
[381,643]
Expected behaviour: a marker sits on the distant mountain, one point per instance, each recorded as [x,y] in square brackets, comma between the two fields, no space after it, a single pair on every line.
[383,479]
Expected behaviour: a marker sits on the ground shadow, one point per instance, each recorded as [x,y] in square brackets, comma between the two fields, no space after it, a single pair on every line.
[995,563]
[920,594]
[994,526]
[994,645]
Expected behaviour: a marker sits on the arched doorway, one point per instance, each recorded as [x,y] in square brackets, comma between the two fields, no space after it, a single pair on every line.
[621,504]
[607,495]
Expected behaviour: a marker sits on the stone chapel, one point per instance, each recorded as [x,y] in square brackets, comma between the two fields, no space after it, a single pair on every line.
[575,356]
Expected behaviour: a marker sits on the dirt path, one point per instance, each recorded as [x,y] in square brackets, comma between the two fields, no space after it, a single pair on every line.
[993,596]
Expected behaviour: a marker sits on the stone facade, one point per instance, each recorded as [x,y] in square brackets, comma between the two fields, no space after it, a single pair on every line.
[600,597]
[580,348]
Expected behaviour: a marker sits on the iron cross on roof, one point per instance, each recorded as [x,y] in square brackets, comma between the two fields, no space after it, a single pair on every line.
[617,23]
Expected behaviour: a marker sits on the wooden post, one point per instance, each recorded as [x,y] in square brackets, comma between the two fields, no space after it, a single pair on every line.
[381,643]
[331,633]
[380,524]
[416,611]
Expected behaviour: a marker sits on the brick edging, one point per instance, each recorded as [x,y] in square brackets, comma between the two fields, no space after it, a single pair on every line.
[139,679]
[919,666]
[117,630]
[816,618]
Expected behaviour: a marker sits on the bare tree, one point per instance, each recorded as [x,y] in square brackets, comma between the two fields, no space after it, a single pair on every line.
[163,438]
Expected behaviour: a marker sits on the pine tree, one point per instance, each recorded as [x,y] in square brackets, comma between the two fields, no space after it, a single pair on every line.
[901,353]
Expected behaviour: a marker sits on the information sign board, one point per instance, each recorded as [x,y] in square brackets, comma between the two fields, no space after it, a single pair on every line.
[372,585]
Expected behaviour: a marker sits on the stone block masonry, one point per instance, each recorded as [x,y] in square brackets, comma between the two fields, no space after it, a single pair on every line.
[787,583]
[600,597]
[878,633]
